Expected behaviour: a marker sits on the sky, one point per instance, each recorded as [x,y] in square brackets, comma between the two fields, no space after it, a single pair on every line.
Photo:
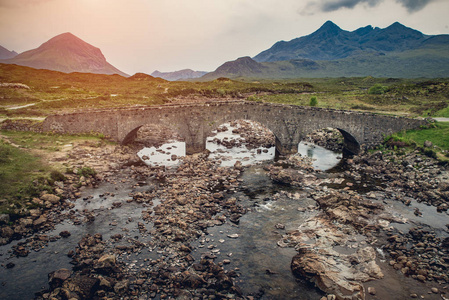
[169,35]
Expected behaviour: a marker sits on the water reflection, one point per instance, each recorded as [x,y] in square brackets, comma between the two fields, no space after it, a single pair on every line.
[229,156]
[323,159]
[166,155]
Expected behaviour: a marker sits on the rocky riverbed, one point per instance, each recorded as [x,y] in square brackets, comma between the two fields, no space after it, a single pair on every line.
[374,227]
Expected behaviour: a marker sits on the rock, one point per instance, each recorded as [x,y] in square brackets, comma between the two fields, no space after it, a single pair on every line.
[6,232]
[53,199]
[428,144]
[40,221]
[421,278]
[121,287]
[434,290]
[65,234]
[233,235]
[238,165]
[107,259]
[279,226]
[4,219]
[57,278]
[371,290]
[192,279]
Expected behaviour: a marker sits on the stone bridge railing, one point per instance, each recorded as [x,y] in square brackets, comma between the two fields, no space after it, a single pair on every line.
[195,122]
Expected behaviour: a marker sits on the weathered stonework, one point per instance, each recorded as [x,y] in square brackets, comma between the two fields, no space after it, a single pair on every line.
[195,122]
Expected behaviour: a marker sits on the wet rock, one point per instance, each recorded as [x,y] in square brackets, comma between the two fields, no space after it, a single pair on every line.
[65,234]
[21,251]
[279,226]
[57,278]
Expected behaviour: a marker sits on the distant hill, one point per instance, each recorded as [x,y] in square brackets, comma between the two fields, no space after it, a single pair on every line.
[178,75]
[145,77]
[6,54]
[396,51]
[66,53]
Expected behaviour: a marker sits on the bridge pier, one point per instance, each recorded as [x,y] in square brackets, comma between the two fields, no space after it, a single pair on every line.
[192,148]
[285,149]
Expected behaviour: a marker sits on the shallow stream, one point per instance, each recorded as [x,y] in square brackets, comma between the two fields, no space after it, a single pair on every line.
[250,245]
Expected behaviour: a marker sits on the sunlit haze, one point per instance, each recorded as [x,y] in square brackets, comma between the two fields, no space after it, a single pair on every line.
[147,35]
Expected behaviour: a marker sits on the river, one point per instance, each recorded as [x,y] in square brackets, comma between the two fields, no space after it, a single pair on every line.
[250,246]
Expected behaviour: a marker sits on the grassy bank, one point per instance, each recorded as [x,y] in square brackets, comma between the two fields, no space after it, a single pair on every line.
[22,176]
[25,171]
[437,134]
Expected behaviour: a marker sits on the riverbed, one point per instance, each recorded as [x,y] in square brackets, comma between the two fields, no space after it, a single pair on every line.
[248,246]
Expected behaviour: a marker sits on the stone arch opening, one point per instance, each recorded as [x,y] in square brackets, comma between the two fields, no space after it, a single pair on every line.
[241,139]
[157,145]
[329,138]
[324,146]
[151,135]
[335,139]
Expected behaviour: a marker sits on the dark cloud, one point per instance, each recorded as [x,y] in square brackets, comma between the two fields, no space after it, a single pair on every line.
[414,5]
[333,5]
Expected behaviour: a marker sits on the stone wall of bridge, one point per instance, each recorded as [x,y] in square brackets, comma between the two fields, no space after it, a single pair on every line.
[195,122]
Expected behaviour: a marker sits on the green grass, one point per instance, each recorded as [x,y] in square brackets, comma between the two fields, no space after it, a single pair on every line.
[22,176]
[444,113]
[438,135]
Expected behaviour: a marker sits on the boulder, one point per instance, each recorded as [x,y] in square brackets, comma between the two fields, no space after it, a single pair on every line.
[53,199]
[57,278]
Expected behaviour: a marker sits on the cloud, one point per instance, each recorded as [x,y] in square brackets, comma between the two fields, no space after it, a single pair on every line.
[333,5]
[414,5]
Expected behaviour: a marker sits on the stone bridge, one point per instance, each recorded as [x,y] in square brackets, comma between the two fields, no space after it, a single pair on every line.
[195,122]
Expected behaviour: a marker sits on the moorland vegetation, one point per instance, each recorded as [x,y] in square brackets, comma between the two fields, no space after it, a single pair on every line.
[34,94]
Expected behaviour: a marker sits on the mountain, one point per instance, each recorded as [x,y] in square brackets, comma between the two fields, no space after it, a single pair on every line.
[242,67]
[330,42]
[66,53]
[6,54]
[395,51]
[179,75]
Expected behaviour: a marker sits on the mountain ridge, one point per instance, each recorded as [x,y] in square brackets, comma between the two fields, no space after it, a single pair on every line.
[330,42]
[6,54]
[395,51]
[66,53]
